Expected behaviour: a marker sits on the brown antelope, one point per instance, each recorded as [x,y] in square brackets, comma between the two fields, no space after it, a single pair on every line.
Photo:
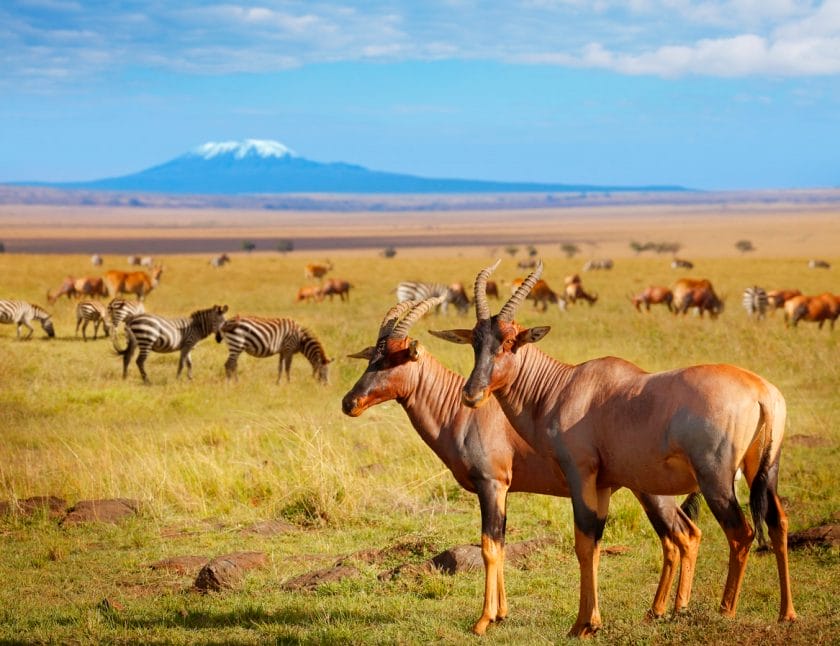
[138,283]
[337,287]
[67,288]
[487,457]
[696,292]
[573,287]
[815,309]
[542,294]
[317,270]
[608,423]
[776,298]
[653,295]
[309,293]
[492,289]
[90,286]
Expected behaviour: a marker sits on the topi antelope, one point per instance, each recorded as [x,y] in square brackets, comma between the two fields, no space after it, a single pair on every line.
[488,458]
[607,423]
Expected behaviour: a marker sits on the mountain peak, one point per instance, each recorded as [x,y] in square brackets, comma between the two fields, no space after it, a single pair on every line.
[240,149]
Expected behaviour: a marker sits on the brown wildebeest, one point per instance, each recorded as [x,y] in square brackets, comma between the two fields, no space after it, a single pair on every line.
[138,283]
[336,287]
[608,423]
[653,295]
[309,293]
[67,288]
[488,458]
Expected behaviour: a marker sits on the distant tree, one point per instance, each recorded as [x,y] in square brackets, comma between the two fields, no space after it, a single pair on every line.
[248,246]
[2,248]
[637,246]
[667,247]
[389,252]
[512,250]
[284,246]
[570,249]
[744,246]
[532,251]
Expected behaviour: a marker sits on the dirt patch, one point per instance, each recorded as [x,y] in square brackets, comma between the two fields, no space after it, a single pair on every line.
[181,564]
[55,507]
[403,550]
[101,511]
[312,580]
[271,527]
[808,441]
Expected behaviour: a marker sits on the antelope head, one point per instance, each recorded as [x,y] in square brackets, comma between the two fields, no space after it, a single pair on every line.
[391,369]
[495,339]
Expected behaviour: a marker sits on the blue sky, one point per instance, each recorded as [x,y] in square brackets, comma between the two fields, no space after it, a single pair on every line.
[719,95]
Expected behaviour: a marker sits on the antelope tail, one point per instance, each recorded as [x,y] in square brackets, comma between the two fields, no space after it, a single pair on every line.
[759,490]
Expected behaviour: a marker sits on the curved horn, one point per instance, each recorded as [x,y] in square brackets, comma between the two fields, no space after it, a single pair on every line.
[401,331]
[506,313]
[482,310]
[393,316]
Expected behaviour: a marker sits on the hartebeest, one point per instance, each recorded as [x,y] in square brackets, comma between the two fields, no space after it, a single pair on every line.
[815,309]
[317,270]
[696,293]
[541,294]
[608,423]
[488,458]
[337,287]
[573,288]
[138,283]
[653,295]
[67,288]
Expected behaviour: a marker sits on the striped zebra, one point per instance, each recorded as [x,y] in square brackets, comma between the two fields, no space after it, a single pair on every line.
[755,302]
[152,333]
[418,291]
[120,309]
[22,313]
[264,337]
[92,312]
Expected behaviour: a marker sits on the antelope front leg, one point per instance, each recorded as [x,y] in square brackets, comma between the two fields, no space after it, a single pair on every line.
[590,508]
[492,497]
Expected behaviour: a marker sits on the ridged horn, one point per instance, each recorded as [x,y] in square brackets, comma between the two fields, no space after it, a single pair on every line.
[393,316]
[506,313]
[482,310]
[401,331]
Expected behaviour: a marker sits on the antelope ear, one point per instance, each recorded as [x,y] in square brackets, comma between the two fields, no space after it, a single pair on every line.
[365,354]
[531,335]
[414,349]
[453,336]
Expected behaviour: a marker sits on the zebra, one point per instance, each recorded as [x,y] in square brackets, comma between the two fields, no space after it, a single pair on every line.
[22,313]
[755,301]
[152,333]
[120,309]
[264,337]
[419,291]
[92,311]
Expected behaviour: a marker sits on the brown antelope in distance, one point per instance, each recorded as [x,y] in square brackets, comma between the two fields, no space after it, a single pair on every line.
[96,260]
[147,261]
[219,261]
[138,283]
[696,293]
[819,264]
[601,263]
[776,298]
[681,263]
[542,295]
[487,457]
[67,288]
[492,289]
[134,261]
[813,309]
[608,423]
[310,293]
[573,288]
[317,270]
[90,286]
[336,287]
[653,295]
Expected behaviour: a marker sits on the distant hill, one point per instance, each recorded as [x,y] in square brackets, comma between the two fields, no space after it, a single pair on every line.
[268,167]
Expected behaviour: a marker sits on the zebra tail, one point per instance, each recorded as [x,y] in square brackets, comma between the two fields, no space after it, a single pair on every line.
[115,339]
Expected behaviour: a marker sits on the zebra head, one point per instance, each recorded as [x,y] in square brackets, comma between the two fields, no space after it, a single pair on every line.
[46,324]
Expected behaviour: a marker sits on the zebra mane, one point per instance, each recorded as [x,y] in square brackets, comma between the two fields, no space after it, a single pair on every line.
[307,338]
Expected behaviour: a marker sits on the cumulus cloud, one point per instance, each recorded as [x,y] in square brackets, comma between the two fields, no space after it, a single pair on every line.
[49,40]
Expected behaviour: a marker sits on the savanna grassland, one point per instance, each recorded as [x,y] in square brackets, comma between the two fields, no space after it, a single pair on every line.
[209,459]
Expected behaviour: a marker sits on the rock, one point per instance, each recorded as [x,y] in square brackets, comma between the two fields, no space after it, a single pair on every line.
[461,558]
[181,564]
[312,580]
[228,571]
[54,506]
[271,527]
[103,511]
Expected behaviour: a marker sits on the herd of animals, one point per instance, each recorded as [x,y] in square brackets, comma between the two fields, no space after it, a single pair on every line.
[523,421]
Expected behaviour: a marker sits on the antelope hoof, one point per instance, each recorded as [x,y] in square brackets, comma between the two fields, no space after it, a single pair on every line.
[584,631]
[481,626]
[789,617]
[726,612]
[651,615]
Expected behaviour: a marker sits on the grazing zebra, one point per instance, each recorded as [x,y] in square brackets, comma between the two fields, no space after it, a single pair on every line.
[22,313]
[755,301]
[151,333]
[95,312]
[264,337]
[119,309]
[418,291]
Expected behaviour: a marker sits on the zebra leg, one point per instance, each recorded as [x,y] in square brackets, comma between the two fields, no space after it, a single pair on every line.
[128,352]
[185,359]
[78,323]
[287,363]
[26,324]
[230,365]
[141,361]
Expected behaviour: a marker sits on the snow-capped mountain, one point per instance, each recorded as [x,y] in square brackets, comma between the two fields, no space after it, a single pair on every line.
[265,166]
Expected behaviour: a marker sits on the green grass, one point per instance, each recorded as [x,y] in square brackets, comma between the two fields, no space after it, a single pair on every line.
[209,458]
